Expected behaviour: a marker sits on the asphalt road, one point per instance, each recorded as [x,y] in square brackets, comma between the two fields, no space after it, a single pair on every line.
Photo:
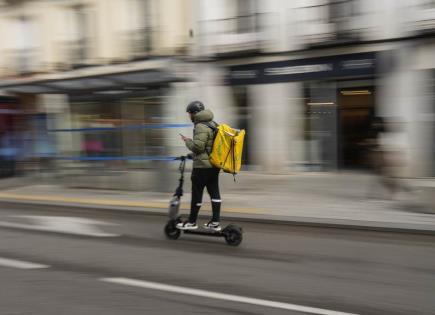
[104,263]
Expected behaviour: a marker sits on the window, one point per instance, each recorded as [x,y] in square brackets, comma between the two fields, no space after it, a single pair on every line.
[24,43]
[78,33]
[143,43]
[428,4]
[114,129]
[341,12]
[135,20]
[246,18]
[340,9]
[314,12]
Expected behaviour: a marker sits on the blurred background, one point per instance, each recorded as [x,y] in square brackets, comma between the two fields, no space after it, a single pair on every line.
[336,195]
[101,86]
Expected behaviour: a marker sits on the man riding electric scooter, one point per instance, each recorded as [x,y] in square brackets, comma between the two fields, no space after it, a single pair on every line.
[204,174]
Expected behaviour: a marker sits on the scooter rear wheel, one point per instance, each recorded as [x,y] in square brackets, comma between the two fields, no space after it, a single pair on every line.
[171,230]
[233,235]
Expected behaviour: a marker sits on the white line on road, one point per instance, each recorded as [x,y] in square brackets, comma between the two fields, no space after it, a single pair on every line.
[6,262]
[58,224]
[221,296]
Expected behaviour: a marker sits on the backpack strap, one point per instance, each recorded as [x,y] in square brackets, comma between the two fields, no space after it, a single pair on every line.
[213,126]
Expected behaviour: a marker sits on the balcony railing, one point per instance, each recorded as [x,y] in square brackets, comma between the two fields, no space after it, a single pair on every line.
[76,52]
[424,19]
[231,35]
[135,44]
[329,22]
[138,42]
[22,61]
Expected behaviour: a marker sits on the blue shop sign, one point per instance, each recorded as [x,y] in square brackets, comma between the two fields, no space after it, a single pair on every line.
[361,64]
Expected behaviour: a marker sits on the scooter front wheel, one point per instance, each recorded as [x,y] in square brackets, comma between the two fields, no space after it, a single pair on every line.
[171,230]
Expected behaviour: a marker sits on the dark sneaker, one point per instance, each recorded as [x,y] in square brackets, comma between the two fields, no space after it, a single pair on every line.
[187,226]
[215,226]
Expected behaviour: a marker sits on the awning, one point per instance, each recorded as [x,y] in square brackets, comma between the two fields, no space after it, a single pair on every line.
[116,83]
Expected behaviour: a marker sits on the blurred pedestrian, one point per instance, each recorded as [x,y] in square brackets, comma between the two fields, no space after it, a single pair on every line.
[383,162]
[203,173]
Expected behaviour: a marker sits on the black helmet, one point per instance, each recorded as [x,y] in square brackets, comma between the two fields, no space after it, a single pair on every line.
[195,107]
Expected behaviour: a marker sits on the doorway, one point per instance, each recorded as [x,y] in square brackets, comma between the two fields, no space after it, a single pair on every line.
[357,108]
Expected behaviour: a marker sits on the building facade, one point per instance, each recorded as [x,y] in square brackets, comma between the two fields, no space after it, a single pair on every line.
[307,77]
[110,78]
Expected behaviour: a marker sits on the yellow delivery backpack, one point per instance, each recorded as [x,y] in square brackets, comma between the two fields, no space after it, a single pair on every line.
[227,149]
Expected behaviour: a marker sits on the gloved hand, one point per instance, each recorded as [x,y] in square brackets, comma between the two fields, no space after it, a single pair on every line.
[179,192]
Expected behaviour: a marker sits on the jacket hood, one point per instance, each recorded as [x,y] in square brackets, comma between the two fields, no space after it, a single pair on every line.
[203,116]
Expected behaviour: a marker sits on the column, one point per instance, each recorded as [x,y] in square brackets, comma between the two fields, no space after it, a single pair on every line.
[57,108]
[276,128]
[404,99]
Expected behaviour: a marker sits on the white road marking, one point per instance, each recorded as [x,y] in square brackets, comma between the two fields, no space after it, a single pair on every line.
[6,262]
[58,224]
[221,296]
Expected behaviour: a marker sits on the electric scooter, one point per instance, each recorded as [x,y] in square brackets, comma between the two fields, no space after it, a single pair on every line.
[233,234]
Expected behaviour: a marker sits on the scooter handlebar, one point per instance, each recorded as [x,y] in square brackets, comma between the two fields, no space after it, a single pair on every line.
[184,157]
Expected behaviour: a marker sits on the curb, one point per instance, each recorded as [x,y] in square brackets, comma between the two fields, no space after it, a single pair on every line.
[344,224]
[106,203]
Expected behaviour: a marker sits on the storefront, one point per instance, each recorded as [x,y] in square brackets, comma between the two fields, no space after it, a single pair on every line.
[309,113]
[117,129]
[105,125]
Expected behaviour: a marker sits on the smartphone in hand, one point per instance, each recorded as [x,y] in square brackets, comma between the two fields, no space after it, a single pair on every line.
[183,137]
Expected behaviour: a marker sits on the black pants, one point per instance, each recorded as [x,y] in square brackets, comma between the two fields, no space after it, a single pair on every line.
[201,178]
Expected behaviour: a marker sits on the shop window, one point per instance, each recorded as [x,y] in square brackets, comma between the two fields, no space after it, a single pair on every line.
[119,133]
[97,137]
[137,141]
[321,125]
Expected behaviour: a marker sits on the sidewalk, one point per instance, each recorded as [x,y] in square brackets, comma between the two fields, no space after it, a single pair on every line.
[338,200]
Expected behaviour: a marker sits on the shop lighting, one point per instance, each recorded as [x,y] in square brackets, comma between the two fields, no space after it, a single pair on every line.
[357,92]
[135,88]
[112,92]
[320,104]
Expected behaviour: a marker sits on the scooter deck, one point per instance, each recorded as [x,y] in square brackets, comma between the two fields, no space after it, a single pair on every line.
[205,231]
